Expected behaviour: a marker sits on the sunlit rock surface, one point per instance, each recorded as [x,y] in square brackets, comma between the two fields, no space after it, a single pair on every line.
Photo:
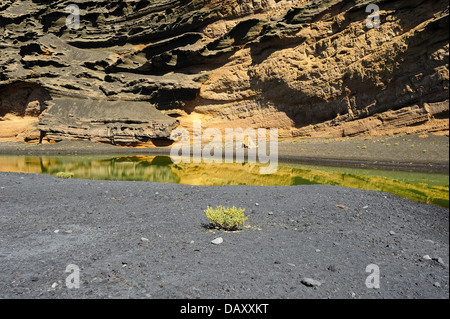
[309,68]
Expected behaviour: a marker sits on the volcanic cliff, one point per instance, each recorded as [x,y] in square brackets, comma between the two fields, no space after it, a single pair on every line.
[132,71]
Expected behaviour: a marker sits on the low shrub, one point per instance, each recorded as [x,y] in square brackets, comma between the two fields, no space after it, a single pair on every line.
[65,175]
[226,218]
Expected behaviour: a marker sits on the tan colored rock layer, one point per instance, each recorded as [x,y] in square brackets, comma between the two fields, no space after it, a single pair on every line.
[342,78]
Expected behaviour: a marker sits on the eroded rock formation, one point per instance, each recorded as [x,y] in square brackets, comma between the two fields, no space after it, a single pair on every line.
[116,122]
[310,68]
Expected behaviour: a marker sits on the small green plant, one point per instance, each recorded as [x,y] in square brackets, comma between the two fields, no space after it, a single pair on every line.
[64,175]
[364,147]
[226,218]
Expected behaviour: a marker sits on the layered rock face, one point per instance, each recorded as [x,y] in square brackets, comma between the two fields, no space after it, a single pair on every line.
[310,68]
[116,122]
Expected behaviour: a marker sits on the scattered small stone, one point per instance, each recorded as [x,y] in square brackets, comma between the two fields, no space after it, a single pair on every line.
[256,204]
[156,193]
[217,241]
[336,243]
[270,213]
[436,284]
[365,207]
[68,231]
[426,257]
[192,242]
[54,285]
[392,233]
[342,207]
[56,231]
[333,268]
[144,239]
[292,265]
[317,250]
[439,260]
[309,282]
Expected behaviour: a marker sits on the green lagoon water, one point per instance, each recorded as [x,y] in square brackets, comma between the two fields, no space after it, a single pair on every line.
[421,187]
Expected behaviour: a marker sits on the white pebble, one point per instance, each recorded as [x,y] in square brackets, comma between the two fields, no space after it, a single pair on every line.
[217,241]
[311,282]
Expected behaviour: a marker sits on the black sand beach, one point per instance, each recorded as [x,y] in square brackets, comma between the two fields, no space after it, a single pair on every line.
[148,240]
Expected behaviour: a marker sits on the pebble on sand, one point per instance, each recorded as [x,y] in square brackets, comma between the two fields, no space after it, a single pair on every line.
[439,260]
[310,282]
[217,241]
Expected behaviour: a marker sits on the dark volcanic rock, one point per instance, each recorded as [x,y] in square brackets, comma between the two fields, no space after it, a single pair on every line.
[115,122]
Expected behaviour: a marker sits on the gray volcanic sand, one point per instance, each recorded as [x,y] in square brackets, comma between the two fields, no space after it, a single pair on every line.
[103,226]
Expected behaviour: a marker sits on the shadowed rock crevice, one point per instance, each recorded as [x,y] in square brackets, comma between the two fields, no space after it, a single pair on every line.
[23,99]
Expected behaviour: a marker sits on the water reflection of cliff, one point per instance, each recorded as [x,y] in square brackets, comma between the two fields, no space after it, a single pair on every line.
[136,168]
[161,169]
